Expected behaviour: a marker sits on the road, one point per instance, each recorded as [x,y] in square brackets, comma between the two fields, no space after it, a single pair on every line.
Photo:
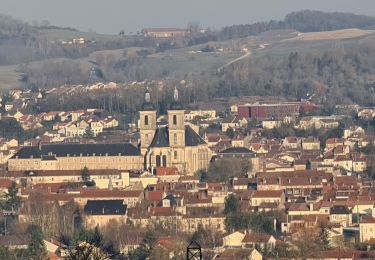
[247,53]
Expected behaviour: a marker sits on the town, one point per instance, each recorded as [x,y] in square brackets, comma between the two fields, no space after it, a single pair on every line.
[197,130]
[257,180]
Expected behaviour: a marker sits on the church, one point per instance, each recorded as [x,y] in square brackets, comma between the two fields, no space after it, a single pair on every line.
[174,145]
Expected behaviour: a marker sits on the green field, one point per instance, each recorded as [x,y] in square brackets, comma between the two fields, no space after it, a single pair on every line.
[65,35]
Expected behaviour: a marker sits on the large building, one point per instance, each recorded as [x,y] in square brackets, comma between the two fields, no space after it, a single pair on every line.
[76,156]
[268,111]
[175,145]
[164,32]
[274,111]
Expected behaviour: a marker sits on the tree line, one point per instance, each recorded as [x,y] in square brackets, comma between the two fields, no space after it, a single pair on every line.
[303,21]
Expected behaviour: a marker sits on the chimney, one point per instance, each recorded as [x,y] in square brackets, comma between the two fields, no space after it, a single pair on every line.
[311,206]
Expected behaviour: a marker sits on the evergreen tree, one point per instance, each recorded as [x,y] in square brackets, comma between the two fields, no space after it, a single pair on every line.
[36,248]
[145,249]
[323,239]
[232,205]
[88,133]
[12,200]
[85,174]
[230,132]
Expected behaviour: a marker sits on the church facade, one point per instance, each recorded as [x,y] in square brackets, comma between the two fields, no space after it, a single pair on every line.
[174,145]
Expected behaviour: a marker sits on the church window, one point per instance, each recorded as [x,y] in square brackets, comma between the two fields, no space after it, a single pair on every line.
[158,161]
[174,119]
[164,160]
[146,120]
[175,138]
[175,155]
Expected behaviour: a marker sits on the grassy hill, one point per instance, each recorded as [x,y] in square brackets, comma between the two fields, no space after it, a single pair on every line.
[65,34]
[179,62]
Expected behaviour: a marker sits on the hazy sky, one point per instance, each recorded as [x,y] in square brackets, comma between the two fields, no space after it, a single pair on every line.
[110,16]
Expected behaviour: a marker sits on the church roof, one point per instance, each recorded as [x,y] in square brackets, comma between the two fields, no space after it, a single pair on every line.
[148,106]
[161,138]
[176,105]
[236,150]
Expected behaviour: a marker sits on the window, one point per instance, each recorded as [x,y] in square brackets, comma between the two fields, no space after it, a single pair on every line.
[174,119]
[175,138]
[164,160]
[158,161]
[146,138]
[146,120]
[175,155]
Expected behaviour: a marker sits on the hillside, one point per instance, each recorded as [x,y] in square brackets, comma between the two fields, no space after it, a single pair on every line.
[47,59]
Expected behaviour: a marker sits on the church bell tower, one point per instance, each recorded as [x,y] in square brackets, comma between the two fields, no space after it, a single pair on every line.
[176,123]
[147,118]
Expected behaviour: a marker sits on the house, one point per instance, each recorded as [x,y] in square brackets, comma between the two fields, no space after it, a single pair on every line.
[14,241]
[292,142]
[255,240]
[341,215]
[270,124]
[244,239]
[16,115]
[239,253]
[366,229]
[267,196]
[101,212]
[311,143]
[326,122]
[109,123]
[233,240]
[240,141]
[230,122]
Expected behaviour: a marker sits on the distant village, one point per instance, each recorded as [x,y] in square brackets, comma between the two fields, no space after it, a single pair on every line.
[157,177]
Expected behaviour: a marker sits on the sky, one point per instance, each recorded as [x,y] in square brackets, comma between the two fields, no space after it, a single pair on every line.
[111,16]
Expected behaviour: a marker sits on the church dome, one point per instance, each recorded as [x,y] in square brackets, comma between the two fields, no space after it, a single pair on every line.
[148,106]
[176,106]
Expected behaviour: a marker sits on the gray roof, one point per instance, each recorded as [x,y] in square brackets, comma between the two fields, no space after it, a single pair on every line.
[105,207]
[63,150]
[232,150]
[340,210]
[161,138]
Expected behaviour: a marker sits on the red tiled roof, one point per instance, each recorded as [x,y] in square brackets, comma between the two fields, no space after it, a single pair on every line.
[155,195]
[5,183]
[164,171]
[256,238]
[367,220]
[267,193]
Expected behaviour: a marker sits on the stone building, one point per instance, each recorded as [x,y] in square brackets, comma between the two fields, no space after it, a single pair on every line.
[76,156]
[174,145]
